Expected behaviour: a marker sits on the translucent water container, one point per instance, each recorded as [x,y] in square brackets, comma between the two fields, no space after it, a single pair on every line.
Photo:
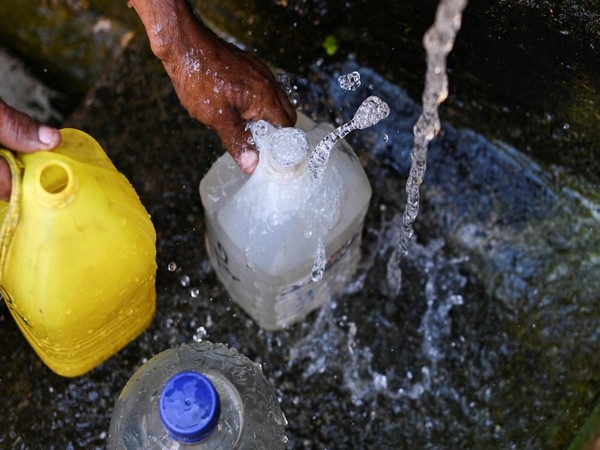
[198,396]
[77,259]
[286,239]
[282,241]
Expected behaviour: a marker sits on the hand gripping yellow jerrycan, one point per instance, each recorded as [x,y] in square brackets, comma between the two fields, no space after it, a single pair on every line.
[77,256]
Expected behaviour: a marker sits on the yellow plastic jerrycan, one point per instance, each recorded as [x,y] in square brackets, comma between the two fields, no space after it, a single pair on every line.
[77,256]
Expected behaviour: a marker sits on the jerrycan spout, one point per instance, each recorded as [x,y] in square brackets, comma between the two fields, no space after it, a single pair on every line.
[286,149]
[55,184]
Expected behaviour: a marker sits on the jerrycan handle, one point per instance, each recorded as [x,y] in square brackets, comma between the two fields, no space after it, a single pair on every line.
[11,217]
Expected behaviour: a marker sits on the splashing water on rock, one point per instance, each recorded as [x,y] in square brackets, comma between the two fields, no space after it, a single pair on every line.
[356,359]
[371,111]
[438,42]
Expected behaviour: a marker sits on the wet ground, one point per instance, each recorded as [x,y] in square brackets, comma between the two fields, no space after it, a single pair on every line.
[491,343]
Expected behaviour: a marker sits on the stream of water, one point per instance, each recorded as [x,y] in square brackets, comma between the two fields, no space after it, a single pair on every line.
[438,42]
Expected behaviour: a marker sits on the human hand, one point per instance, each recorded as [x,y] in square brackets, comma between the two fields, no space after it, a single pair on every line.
[218,84]
[21,133]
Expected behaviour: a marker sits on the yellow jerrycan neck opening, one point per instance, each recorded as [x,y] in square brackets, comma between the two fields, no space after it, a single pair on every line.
[56,183]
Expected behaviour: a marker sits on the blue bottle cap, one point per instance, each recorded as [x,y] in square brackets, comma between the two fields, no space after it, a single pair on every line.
[189,407]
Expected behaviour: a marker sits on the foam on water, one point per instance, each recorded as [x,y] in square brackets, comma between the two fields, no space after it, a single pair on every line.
[288,147]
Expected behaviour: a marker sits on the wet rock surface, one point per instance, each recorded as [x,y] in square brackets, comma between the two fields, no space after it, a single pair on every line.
[492,342]
[68,44]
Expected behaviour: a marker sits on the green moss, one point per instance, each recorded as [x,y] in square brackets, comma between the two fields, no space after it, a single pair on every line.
[330,44]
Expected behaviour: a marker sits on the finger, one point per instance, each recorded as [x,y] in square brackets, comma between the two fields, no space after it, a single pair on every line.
[282,114]
[273,106]
[20,132]
[5,181]
[248,160]
[286,114]
[237,141]
[244,153]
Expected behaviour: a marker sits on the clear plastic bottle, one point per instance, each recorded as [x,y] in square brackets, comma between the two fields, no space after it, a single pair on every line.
[284,241]
[198,396]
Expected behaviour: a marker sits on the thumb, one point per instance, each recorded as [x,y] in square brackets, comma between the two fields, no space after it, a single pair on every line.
[237,140]
[20,132]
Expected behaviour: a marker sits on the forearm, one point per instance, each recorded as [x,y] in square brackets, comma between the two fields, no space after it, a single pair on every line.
[168,24]
[219,84]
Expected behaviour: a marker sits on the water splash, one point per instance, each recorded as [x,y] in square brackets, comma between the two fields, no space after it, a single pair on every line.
[319,263]
[371,111]
[259,131]
[349,81]
[438,42]
[356,361]
[200,334]
[288,148]
[185,280]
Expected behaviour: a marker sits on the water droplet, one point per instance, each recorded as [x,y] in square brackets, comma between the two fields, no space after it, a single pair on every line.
[307,234]
[259,128]
[200,334]
[319,263]
[350,81]
[386,138]
[172,267]
[185,281]
[370,112]
[195,292]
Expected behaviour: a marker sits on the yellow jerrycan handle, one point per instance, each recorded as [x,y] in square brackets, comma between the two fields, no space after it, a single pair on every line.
[9,212]
[77,254]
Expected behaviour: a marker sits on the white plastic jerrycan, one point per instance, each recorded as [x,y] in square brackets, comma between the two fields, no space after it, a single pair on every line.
[286,239]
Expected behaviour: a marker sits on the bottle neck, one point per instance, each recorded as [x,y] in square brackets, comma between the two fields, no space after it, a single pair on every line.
[287,152]
[55,183]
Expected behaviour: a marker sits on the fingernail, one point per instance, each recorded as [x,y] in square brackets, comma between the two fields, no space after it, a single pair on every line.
[48,136]
[248,161]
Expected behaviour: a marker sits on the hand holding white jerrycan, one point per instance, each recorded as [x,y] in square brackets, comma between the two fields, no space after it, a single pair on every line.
[77,254]
[286,239]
